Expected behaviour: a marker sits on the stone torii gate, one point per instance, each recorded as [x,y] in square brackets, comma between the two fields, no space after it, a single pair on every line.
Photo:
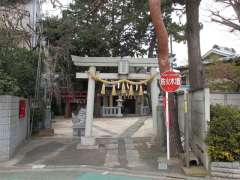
[123,64]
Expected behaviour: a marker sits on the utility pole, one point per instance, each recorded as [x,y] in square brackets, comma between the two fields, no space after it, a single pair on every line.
[34,23]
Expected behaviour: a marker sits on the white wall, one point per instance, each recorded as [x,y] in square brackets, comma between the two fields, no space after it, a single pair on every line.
[13,131]
[199,115]
[232,99]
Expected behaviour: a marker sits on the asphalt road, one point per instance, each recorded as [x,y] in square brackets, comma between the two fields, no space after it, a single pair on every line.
[66,175]
[83,174]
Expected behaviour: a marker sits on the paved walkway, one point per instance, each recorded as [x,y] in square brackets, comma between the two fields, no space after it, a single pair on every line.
[119,149]
[121,144]
[107,127]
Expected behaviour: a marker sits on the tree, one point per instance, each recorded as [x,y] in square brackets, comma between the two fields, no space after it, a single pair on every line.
[8,84]
[55,3]
[224,76]
[18,71]
[231,21]
[12,2]
[118,28]
[110,28]
[114,28]
[14,29]
[161,34]
[196,73]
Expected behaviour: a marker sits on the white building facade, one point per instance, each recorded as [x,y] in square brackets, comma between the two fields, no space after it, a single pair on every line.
[21,21]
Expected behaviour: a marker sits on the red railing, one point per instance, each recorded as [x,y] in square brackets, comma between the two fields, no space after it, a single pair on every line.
[76,95]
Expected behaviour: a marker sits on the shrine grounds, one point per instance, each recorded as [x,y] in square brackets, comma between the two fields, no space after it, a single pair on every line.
[124,151]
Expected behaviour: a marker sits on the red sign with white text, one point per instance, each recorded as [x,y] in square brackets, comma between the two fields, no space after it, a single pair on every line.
[170,81]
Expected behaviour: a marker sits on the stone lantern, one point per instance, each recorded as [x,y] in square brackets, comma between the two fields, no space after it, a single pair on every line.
[119,105]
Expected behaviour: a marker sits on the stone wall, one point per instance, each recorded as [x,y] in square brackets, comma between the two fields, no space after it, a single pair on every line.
[215,98]
[226,170]
[199,115]
[13,131]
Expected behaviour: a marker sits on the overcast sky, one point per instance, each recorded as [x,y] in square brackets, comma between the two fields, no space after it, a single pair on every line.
[211,33]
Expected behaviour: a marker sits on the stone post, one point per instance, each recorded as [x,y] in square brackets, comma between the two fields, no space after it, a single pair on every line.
[154,98]
[88,139]
[105,101]
[110,101]
[141,105]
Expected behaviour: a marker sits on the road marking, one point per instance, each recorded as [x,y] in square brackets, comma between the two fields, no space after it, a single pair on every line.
[105,173]
[38,166]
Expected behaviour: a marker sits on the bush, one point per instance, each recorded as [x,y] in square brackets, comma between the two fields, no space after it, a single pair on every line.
[223,137]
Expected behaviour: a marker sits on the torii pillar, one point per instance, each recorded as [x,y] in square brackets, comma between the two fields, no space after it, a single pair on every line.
[88,139]
[154,100]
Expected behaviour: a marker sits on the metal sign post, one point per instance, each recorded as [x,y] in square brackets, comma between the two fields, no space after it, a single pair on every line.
[167,126]
[170,82]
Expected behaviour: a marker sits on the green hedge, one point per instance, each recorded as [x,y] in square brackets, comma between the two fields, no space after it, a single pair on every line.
[224,134]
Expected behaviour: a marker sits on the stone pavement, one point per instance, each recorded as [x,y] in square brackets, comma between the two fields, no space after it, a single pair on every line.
[106,127]
[123,150]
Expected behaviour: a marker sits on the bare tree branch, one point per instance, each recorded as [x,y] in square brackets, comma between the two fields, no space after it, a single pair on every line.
[232,22]
[14,26]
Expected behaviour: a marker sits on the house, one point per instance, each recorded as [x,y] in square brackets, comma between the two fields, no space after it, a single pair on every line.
[217,53]
[19,23]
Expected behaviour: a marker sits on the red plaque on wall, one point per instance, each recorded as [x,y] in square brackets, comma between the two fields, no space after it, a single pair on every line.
[22,109]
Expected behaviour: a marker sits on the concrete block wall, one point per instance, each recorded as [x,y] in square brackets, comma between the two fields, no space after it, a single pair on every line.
[12,129]
[199,115]
[181,121]
[232,99]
